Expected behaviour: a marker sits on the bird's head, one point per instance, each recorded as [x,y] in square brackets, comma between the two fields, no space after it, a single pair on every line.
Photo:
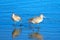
[42,16]
[13,14]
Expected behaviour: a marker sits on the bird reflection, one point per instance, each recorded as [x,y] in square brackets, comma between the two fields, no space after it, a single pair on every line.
[16,32]
[36,35]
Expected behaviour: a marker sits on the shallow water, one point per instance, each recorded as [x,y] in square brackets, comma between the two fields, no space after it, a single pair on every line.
[49,28]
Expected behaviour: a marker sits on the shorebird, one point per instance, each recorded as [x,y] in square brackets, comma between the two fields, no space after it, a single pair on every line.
[37,19]
[36,35]
[16,32]
[16,18]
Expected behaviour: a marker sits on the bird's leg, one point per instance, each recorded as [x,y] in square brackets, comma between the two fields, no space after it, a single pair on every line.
[20,27]
[38,28]
[14,24]
[30,26]
[21,24]
[33,29]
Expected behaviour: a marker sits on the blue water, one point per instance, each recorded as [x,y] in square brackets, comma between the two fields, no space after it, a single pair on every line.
[49,28]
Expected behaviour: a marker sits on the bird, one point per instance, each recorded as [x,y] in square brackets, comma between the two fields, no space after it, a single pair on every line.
[37,20]
[16,18]
[16,32]
[36,35]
